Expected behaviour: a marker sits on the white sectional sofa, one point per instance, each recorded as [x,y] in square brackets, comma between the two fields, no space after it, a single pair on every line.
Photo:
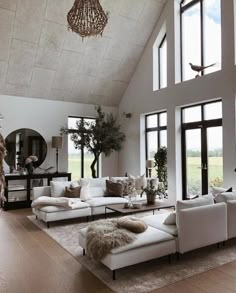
[199,223]
[94,205]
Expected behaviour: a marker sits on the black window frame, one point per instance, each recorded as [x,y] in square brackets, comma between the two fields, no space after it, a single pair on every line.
[203,123]
[82,147]
[159,61]
[158,129]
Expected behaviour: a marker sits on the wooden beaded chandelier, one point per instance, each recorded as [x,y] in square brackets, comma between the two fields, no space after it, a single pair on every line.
[87,18]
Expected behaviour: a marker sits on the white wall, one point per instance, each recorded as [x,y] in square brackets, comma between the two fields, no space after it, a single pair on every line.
[140,98]
[47,117]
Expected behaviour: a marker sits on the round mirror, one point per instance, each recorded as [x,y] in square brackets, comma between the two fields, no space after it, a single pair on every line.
[21,144]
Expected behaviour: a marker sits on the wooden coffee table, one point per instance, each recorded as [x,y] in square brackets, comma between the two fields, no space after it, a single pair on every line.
[119,208]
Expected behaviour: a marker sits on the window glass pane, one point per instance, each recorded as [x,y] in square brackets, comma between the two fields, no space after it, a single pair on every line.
[192,114]
[163,138]
[186,2]
[152,121]
[191,40]
[163,119]
[215,156]
[213,111]
[74,160]
[163,64]
[151,144]
[212,34]
[88,159]
[193,162]
[72,122]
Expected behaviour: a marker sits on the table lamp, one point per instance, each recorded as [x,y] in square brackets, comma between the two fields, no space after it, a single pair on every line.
[150,165]
[57,144]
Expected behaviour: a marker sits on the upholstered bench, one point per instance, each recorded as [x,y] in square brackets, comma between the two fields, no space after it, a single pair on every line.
[148,245]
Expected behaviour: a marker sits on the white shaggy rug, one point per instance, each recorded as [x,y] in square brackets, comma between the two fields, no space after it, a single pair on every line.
[143,277]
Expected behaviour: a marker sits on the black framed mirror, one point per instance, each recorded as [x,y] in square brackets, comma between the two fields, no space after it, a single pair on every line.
[21,144]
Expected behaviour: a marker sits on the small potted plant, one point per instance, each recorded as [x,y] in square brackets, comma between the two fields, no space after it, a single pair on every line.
[153,191]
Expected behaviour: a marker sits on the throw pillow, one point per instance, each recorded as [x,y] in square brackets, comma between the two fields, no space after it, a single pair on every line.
[94,182]
[128,186]
[85,192]
[58,188]
[186,204]
[74,184]
[217,190]
[225,196]
[72,192]
[114,189]
[140,182]
[132,224]
[170,219]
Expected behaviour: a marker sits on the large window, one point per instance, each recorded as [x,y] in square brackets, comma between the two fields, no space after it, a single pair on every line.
[162,60]
[79,160]
[156,133]
[200,36]
[202,148]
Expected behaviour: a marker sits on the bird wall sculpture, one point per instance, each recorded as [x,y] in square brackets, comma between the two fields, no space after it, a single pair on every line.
[199,68]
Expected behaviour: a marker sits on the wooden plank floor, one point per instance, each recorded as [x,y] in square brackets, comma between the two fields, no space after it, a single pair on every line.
[30,261]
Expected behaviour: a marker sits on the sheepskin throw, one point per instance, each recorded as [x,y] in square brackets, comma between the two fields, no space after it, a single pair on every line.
[133,224]
[104,235]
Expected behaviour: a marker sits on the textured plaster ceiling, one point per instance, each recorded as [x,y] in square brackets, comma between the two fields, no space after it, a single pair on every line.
[40,58]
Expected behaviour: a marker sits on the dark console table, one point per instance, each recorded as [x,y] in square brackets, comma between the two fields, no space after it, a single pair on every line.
[18,189]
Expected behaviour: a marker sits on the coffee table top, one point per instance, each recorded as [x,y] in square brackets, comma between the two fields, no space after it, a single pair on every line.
[158,205]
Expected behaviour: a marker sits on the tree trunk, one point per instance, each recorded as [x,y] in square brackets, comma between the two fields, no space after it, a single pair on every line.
[93,165]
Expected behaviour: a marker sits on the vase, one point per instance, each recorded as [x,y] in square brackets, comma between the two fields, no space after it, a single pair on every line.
[151,199]
[30,168]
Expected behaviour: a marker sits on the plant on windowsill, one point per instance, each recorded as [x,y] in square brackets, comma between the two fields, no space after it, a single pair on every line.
[160,159]
[102,137]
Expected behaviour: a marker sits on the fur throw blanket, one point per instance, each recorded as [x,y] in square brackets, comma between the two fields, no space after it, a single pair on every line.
[104,235]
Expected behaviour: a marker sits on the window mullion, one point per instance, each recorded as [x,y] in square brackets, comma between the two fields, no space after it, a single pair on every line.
[202,35]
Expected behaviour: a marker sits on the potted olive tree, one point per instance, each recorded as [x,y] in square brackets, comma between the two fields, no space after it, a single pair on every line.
[103,136]
[160,159]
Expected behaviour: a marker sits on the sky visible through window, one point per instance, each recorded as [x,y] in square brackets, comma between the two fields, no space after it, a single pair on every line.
[212,37]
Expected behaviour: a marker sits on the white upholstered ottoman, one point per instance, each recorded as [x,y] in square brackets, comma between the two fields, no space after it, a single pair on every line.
[148,245]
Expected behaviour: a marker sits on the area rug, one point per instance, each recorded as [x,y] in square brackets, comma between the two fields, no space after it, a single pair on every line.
[143,277]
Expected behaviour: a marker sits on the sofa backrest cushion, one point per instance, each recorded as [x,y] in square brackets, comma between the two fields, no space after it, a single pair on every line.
[94,182]
[215,190]
[225,197]
[186,204]
[58,188]
[41,191]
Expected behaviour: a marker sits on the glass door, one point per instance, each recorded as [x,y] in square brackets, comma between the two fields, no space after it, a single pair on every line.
[202,148]
[193,156]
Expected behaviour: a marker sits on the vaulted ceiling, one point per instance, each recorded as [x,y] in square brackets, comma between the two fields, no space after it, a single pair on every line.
[40,58]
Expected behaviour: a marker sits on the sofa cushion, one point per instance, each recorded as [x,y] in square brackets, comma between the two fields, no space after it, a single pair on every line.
[103,201]
[150,236]
[225,197]
[113,189]
[54,209]
[186,204]
[58,188]
[72,192]
[157,221]
[94,182]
